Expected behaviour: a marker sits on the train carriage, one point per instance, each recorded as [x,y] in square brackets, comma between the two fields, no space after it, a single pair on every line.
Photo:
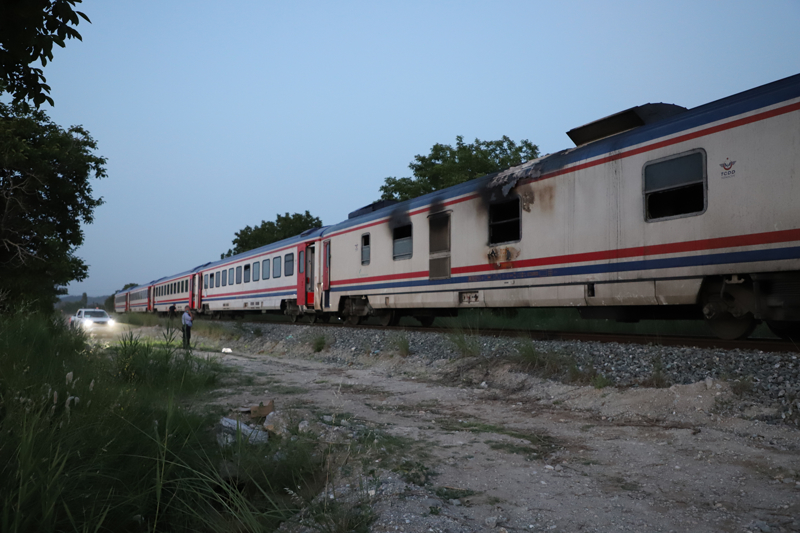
[121,302]
[657,212]
[270,278]
[139,299]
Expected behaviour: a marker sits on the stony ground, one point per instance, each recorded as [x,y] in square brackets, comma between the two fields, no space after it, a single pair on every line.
[473,441]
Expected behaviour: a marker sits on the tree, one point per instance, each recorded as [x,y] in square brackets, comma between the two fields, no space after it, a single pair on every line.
[28,31]
[285,226]
[446,166]
[45,196]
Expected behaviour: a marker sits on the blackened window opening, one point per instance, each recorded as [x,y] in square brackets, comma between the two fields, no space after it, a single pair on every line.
[403,244]
[504,222]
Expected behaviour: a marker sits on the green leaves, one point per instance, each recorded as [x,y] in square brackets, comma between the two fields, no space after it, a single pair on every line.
[28,30]
[285,226]
[45,196]
[446,165]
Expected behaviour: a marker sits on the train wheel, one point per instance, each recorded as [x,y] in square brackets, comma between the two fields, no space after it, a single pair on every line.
[387,318]
[311,318]
[728,327]
[786,330]
[293,318]
[352,320]
[426,321]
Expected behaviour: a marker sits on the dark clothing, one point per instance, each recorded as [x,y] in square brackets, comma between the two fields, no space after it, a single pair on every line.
[186,319]
[172,311]
[187,336]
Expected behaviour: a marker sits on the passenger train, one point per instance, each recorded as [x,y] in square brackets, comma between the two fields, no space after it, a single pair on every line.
[658,212]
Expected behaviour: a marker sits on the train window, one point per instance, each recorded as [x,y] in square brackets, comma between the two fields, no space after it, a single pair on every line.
[218,280]
[288,264]
[403,245]
[230,276]
[247,273]
[205,281]
[224,278]
[365,249]
[265,269]
[504,221]
[256,270]
[239,275]
[211,281]
[439,240]
[675,186]
[301,261]
[276,267]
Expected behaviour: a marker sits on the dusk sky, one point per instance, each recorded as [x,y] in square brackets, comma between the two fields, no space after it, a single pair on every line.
[218,115]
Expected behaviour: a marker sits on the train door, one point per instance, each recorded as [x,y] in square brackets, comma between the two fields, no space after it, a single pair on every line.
[326,273]
[310,277]
[305,275]
[439,249]
[198,295]
[149,298]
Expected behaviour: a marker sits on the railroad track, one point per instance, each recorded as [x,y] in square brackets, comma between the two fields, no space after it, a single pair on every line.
[764,345]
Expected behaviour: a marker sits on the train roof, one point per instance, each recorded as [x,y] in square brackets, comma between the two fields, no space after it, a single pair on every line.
[309,234]
[621,130]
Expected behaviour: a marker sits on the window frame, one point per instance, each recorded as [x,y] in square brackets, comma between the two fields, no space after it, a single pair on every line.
[368,247]
[505,199]
[403,257]
[704,181]
[230,275]
[256,270]
[288,264]
[239,275]
[224,277]
[265,271]
[276,266]
[301,261]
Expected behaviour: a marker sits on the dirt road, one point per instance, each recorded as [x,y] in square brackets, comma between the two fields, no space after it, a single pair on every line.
[518,453]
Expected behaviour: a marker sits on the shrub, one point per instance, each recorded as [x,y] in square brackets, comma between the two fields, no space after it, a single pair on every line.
[96,440]
[401,343]
[319,343]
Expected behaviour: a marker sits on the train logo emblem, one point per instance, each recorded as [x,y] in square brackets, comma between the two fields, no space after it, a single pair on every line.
[727,168]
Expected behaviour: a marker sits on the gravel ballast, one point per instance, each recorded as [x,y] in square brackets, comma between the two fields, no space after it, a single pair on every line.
[771,380]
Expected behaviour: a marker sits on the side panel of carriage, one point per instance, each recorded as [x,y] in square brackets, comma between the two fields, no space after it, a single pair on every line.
[259,282]
[641,225]
[172,291]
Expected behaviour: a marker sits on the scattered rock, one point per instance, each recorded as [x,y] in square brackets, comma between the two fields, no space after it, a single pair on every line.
[230,430]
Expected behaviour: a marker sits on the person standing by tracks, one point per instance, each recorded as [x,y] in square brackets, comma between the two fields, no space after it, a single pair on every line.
[186,320]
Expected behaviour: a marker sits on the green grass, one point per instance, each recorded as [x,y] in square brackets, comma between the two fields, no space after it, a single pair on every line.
[140,319]
[554,365]
[400,343]
[319,343]
[105,440]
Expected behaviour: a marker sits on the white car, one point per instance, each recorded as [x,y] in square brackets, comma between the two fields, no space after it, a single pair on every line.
[91,318]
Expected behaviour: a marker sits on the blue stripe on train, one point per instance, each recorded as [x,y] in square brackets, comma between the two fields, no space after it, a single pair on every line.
[774,254]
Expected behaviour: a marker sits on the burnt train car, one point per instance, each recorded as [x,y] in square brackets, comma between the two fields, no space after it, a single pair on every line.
[658,212]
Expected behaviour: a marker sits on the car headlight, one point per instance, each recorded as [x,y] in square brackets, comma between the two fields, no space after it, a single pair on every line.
[87,323]
[111,322]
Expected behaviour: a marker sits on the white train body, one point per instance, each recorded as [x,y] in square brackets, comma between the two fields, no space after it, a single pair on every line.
[658,212]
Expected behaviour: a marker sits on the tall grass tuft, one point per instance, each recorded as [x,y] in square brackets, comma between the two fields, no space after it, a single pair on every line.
[99,441]
[401,344]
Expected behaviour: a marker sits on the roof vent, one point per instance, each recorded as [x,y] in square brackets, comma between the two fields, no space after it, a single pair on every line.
[623,121]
